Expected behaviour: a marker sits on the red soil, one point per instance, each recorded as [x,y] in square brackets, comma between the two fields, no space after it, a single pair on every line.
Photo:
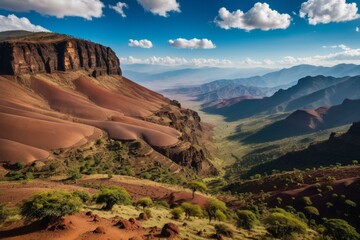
[45,113]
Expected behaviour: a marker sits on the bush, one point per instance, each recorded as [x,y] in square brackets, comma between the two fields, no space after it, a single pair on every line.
[220,216]
[281,224]
[212,206]
[83,195]
[145,202]
[307,201]
[246,219]
[224,230]
[113,195]
[4,214]
[162,203]
[50,206]
[177,213]
[15,176]
[311,211]
[148,213]
[191,210]
[340,230]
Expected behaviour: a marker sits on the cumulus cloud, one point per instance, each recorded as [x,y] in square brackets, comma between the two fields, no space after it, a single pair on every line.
[144,43]
[75,8]
[192,43]
[176,61]
[12,22]
[326,11]
[261,16]
[119,8]
[160,7]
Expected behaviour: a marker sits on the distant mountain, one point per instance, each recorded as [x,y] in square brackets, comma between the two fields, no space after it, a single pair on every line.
[307,121]
[285,78]
[340,148]
[164,77]
[310,92]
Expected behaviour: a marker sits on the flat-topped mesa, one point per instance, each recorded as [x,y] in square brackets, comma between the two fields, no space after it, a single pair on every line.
[50,54]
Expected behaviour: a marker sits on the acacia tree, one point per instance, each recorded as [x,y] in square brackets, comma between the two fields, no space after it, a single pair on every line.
[50,206]
[212,206]
[196,186]
[113,195]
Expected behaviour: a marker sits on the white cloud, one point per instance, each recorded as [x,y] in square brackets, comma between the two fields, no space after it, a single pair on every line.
[119,8]
[75,8]
[144,43]
[192,43]
[341,46]
[326,11]
[12,22]
[261,16]
[160,7]
[176,61]
[357,29]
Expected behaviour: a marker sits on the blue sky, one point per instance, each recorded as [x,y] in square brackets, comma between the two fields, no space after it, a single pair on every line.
[331,40]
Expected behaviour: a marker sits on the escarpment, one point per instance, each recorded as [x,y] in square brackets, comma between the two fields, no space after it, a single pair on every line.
[50,54]
[71,95]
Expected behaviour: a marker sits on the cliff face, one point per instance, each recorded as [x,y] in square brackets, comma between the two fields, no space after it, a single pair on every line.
[49,55]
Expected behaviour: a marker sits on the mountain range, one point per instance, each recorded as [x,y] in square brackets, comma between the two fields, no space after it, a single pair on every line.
[260,86]
[308,93]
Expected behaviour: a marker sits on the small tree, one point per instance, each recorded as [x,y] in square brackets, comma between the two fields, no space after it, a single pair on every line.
[246,219]
[224,230]
[196,186]
[212,206]
[340,230]
[113,195]
[220,216]
[145,202]
[311,211]
[50,206]
[177,213]
[191,210]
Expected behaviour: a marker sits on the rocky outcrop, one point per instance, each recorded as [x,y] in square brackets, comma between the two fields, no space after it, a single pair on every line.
[52,53]
[190,151]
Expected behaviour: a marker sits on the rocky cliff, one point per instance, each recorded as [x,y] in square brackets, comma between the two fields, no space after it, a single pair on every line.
[49,53]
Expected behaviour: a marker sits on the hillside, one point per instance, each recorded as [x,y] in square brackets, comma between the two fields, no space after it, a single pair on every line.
[339,148]
[309,120]
[63,97]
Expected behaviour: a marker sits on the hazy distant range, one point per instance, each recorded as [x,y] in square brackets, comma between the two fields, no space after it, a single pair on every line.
[157,77]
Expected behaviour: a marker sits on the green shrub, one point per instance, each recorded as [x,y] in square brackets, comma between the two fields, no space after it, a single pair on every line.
[144,202]
[83,195]
[311,211]
[220,216]
[212,206]
[50,206]
[113,195]
[246,219]
[283,224]
[224,230]
[15,176]
[177,213]
[191,210]
[340,230]
[148,213]
[4,214]
[307,201]
[162,203]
